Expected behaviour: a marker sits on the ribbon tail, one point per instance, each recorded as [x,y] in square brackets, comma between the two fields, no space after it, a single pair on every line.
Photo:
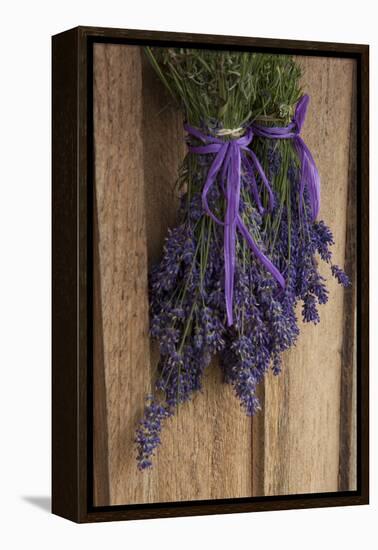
[269,266]
[233,199]
[211,176]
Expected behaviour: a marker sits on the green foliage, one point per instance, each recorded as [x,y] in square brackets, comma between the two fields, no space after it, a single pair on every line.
[229,87]
[219,89]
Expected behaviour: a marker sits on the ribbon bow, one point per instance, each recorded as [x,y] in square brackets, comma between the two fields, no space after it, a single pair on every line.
[309,173]
[229,156]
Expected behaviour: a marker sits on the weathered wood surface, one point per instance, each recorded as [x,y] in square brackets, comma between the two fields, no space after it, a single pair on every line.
[348,392]
[301,422]
[210,449]
[122,252]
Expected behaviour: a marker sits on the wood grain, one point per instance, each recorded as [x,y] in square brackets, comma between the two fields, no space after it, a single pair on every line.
[100,410]
[210,450]
[348,390]
[122,251]
[135,206]
[301,421]
[205,430]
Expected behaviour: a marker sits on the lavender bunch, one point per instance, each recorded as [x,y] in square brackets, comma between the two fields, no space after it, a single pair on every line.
[187,318]
[217,91]
[266,323]
[295,242]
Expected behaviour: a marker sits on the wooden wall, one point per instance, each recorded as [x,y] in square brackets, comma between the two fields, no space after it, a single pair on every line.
[304,439]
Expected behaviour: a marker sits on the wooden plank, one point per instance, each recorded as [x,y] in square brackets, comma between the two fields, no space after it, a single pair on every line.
[136,205]
[301,421]
[348,397]
[191,462]
[118,119]
[100,411]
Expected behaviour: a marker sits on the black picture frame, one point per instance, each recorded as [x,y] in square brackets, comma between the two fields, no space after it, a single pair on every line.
[72,175]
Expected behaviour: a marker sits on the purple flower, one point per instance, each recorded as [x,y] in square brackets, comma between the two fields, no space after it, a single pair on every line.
[148,432]
[274,158]
[341,277]
[309,309]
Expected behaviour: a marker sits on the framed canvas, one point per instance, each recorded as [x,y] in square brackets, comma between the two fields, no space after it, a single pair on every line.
[193,372]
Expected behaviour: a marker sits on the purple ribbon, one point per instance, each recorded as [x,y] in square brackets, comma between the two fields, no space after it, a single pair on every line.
[229,157]
[309,173]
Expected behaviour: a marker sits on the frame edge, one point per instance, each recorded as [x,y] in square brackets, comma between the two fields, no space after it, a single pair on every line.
[69,244]
[65,387]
